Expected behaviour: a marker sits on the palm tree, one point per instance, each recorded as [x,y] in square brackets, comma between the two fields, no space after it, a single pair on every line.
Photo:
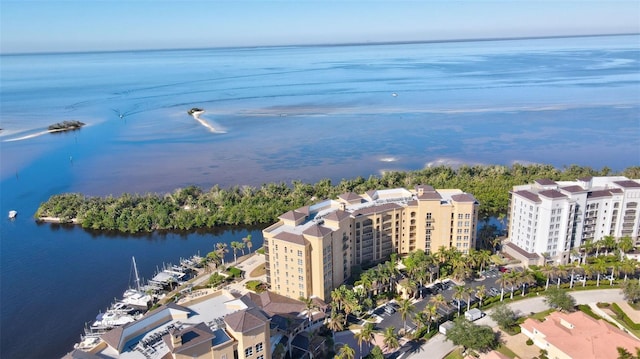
[469,292]
[346,352]
[247,242]
[366,281]
[548,271]
[587,247]
[390,338]
[335,321]
[213,257]
[504,280]
[405,308]
[561,272]
[526,278]
[421,319]
[481,292]
[338,296]
[608,243]
[458,293]
[625,244]
[235,246]
[432,312]
[366,335]
[222,249]
[309,306]
[628,266]
[438,300]
[599,266]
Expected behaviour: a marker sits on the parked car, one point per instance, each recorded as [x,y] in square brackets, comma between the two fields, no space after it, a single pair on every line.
[389,309]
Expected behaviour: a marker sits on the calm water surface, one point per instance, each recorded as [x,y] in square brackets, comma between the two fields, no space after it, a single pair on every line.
[277,114]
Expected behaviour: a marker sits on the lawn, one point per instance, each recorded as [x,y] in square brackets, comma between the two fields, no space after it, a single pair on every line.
[455,354]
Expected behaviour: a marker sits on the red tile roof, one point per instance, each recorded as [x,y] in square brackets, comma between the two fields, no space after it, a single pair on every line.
[580,336]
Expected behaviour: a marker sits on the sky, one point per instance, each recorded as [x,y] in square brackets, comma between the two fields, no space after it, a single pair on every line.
[106,25]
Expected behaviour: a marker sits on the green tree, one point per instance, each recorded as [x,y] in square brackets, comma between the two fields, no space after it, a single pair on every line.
[346,352]
[247,242]
[335,323]
[505,317]
[365,335]
[390,338]
[405,309]
[376,353]
[560,299]
[631,291]
[472,336]
[235,246]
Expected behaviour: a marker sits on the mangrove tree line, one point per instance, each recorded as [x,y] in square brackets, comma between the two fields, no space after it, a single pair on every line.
[193,207]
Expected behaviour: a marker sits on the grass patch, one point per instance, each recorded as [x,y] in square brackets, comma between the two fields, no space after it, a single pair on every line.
[587,310]
[256,286]
[258,271]
[234,272]
[455,354]
[540,316]
[260,250]
[506,351]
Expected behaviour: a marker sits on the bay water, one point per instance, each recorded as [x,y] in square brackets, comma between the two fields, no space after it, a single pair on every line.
[271,114]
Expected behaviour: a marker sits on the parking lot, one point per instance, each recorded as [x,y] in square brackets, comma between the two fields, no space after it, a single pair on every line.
[446,288]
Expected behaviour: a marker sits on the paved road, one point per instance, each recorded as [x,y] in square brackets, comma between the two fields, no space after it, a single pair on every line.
[439,347]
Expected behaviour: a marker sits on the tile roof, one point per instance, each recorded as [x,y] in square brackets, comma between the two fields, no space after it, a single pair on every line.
[522,251]
[572,189]
[580,336]
[337,215]
[628,184]
[552,193]
[350,196]
[291,238]
[528,195]
[599,193]
[425,187]
[246,320]
[430,196]
[317,230]
[293,215]
[193,336]
[545,182]
[464,197]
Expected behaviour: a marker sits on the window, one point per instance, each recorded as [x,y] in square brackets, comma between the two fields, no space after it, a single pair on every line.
[299,253]
[260,356]
[467,216]
[248,352]
[300,278]
[299,270]
[258,347]
[299,262]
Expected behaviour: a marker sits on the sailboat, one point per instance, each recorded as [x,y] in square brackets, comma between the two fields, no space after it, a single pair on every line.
[136,297]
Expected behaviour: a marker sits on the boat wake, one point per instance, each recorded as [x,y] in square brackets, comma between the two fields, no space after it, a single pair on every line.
[26,137]
[205,123]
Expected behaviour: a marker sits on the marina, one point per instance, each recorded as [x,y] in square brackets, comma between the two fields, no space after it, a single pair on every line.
[117,334]
[138,300]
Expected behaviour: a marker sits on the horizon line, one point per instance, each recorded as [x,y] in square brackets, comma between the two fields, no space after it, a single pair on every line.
[338,44]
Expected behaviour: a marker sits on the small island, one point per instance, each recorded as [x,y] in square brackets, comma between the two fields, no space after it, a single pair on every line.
[65,126]
[195,111]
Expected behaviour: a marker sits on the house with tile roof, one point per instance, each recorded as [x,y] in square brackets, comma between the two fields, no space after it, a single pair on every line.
[577,336]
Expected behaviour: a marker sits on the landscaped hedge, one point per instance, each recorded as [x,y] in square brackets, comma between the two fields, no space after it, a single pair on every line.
[622,315]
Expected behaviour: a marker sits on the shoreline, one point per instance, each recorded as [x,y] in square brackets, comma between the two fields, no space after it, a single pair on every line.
[56,220]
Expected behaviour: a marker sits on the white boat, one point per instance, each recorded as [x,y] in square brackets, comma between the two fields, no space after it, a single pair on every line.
[13,214]
[136,297]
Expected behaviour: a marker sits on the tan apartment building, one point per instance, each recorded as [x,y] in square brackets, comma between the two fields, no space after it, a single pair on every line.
[311,250]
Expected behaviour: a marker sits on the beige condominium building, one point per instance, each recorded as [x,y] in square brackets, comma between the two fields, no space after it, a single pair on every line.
[311,250]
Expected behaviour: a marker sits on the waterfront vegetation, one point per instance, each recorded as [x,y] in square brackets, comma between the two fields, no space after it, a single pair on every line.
[192,207]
